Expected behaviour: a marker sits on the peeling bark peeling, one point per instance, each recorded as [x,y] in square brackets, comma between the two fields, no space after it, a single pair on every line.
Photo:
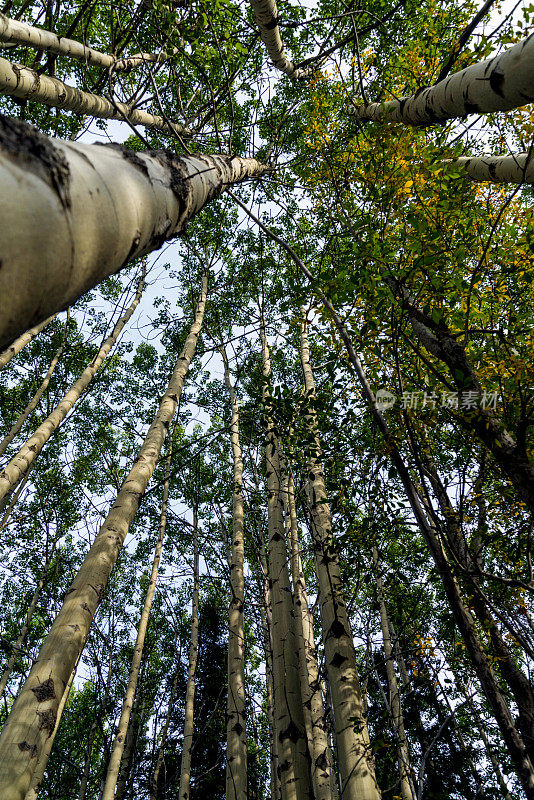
[518,168]
[74,214]
[356,764]
[63,645]
[266,16]
[12,30]
[498,84]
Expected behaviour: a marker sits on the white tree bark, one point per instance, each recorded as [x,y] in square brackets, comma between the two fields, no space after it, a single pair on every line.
[22,341]
[236,734]
[356,764]
[16,80]
[11,30]
[40,769]
[517,168]
[20,463]
[498,84]
[290,729]
[187,742]
[35,711]
[266,16]
[322,771]
[120,736]
[73,214]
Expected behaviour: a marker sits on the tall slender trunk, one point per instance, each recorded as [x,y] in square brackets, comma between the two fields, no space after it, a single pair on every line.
[403,756]
[293,756]
[120,736]
[356,764]
[74,214]
[15,469]
[187,744]
[35,711]
[236,734]
[267,628]
[312,699]
[17,425]
[22,341]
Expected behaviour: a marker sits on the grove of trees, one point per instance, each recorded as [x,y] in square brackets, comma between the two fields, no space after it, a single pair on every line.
[266,400]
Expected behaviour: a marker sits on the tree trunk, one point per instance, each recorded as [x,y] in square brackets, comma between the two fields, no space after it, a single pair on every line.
[403,757]
[356,764]
[267,18]
[314,714]
[13,31]
[74,214]
[19,464]
[34,713]
[518,168]
[42,763]
[15,428]
[22,341]
[187,744]
[236,734]
[23,82]
[120,736]
[293,756]
[498,84]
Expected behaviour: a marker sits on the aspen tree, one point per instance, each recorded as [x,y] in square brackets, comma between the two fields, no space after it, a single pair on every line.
[120,736]
[187,742]
[22,461]
[236,740]
[32,405]
[356,764]
[22,341]
[403,757]
[314,714]
[515,745]
[35,711]
[287,701]
[498,84]
[74,214]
